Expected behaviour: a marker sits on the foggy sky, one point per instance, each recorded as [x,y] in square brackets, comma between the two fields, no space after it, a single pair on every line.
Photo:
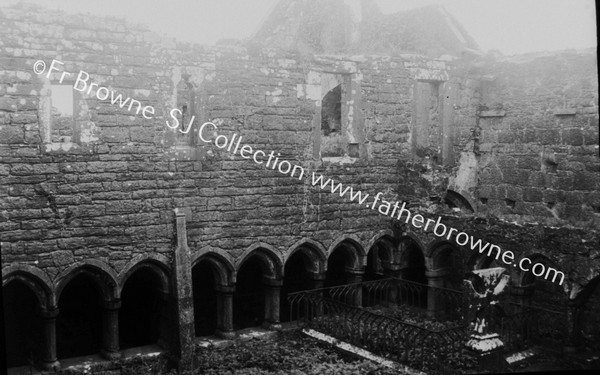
[510,26]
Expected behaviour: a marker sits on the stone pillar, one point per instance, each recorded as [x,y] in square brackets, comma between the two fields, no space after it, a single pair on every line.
[574,338]
[435,279]
[396,271]
[225,312]
[184,307]
[49,359]
[272,304]
[110,330]
[356,276]
[318,280]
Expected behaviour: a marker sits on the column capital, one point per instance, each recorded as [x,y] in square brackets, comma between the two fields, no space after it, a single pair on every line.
[227,289]
[112,305]
[315,276]
[392,266]
[434,274]
[273,283]
[49,313]
[355,271]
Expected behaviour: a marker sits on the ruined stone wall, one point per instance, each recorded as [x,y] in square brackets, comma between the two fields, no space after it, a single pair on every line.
[538,140]
[108,190]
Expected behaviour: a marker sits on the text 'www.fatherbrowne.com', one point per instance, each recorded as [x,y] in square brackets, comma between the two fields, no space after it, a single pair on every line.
[84,84]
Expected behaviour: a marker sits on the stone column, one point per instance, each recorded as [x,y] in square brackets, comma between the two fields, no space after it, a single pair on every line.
[272,304]
[49,359]
[225,312]
[110,330]
[184,307]
[435,279]
[396,271]
[318,280]
[574,338]
[355,276]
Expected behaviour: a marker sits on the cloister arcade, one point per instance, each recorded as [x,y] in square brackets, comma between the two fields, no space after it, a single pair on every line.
[90,309]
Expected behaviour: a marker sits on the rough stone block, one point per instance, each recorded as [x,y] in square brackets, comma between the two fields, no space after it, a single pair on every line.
[532,195]
[585,181]
[548,136]
[21,169]
[572,136]
[115,135]
[11,134]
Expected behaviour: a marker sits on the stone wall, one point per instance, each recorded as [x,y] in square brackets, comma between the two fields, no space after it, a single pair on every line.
[109,191]
[501,148]
[538,124]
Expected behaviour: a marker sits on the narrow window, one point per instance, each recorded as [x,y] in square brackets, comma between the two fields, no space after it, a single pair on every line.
[62,117]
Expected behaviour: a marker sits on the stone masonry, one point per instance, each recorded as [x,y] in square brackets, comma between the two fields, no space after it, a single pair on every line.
[505,148]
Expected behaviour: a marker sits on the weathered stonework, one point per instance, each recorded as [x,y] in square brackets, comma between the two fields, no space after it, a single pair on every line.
[510,143]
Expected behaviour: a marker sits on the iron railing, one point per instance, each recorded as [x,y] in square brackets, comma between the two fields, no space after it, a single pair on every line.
[352,313]
[527,325]
[339,312]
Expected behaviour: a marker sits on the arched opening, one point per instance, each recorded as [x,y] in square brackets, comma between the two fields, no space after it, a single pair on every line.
[333,142]
[142,309]
[338,261]
[456,200]
[415,261]
[414,292]
[343,268]
[546,307]
[79,323]
[204,286]
[331,112]
[249,296]
[374,269]
[447,258]
[22,324]
[444,299]
[374,293]
[296,278]
[545,293]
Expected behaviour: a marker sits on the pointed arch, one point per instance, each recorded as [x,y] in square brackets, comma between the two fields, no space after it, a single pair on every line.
[406,245]
[35,279]
[155,262]
[385,240]
[316,253]
[442,254]
[103,275]
[461,201]
[386,235]
[221,262]
[354,248]
[271,259]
